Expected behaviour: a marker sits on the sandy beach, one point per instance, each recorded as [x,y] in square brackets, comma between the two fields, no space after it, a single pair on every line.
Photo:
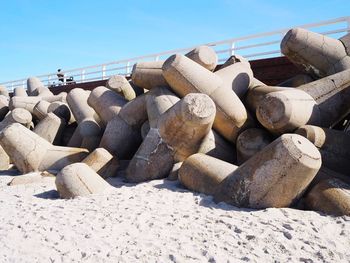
[158,221]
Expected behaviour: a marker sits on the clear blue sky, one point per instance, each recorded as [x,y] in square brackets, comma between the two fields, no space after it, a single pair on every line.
[39,36]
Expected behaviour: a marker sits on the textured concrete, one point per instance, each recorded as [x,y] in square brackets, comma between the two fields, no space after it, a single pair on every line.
[27,103]
[86,117]
[346,42]
[274,177]
[250,142]
[158,101]
[4,106]
[122,135]
[102,162]
[318,54]
[79,179]
[185,76]
[20,116]
[284,111]
[62,110]
[121,85]
[29,152]
[333,145]
[19,92]
[174,173]
[33,84]
[106,103]
[202,173]
[237,77]
[179,134]
[4,91]
[204,56]
[330,196]
[213,144]
[50,128]
[296,81]
[148,75]
[40,109]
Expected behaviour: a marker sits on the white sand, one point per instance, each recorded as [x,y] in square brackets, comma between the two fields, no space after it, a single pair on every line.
[159,221]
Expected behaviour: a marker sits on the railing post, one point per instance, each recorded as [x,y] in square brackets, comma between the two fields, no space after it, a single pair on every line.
[127,71]
[157,58]
[82,76]
[103,72]
[23,84]
[232,49]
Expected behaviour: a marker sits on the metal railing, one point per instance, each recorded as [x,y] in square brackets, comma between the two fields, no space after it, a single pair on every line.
[252,47]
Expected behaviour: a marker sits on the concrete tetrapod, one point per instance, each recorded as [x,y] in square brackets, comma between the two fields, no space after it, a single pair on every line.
[296,81]
[323,102]
[4,91]
[250,142]
[121,85]
[318,54]
[149,75]
[19,92]
[186,76]
[331,196]
[237,77]
[50,128]
[179,134]
[346,42]
[62,110]
[102,162]
[122,136]
[203,174]
[20,116]
[40,109]
[158,101]
[333,145]
[27,103]
[287,110]
[86,117]
[33,84]
[274,177]
[106,103]
[78,179]
[29,152]
[4,106]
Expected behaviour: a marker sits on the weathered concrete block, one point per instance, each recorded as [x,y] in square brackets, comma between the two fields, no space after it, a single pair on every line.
[27,103]
[40,109]
[324,174]
[346,42]
[250,142]
[274,177]
[4,91]
[203,174]
[185,76]
[122,136]
[19,115]
[318,54]
[19,92]
[333,145]
[78,179]
[174,173]
[106,103]
[287,110]
[215,145]
[204,56]
[179,134]
[145,129]
[4,106]
[148,75]
[102,162]
[235,59]
[236,77]
[62,110]
[29,152]
[330,196]
[4,159]
[332,95]
[121,85]
[33,83]
[32,178]
[257,91]
[50,128]
[158,101]
[88,121]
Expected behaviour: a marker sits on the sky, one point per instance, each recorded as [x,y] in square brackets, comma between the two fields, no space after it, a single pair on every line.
[40,36]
